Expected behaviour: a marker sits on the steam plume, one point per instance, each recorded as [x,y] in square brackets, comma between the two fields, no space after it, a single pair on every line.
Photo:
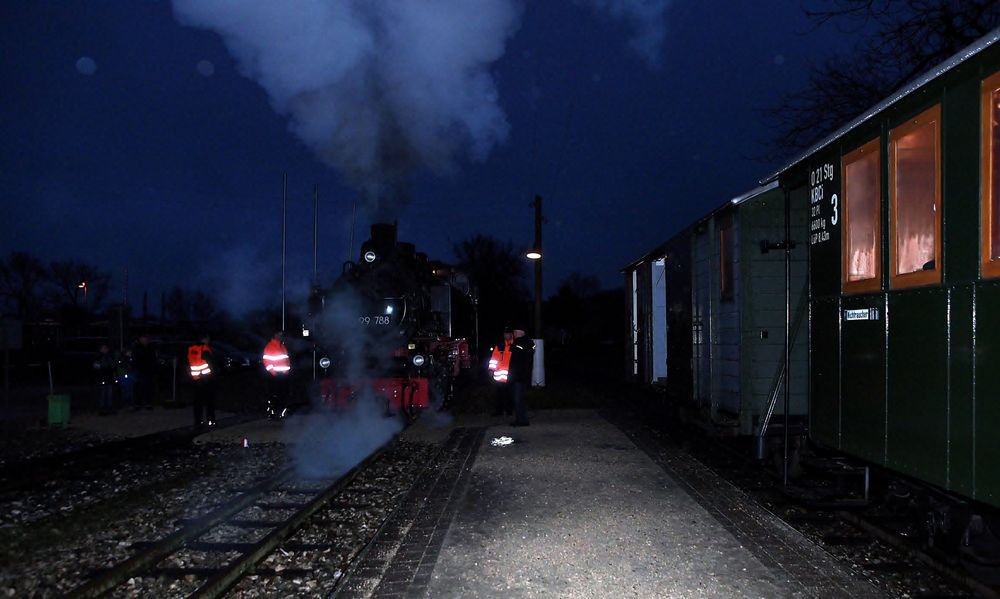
[376,88]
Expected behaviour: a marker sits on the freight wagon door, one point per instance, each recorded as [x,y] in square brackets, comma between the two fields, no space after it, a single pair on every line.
[701,320]
[659,328]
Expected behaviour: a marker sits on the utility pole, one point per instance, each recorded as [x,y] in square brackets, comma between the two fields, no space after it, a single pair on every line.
[315,281]
[284,215]
[316,236]
[538,266]
[538,371]
[354,222]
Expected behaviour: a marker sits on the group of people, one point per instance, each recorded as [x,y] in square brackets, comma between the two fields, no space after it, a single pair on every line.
[510,363]
[204,371]
[126,378]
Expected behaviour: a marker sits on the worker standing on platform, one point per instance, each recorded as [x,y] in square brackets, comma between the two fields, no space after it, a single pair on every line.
[201,360]
[522,352]
[278,368]
[500,370]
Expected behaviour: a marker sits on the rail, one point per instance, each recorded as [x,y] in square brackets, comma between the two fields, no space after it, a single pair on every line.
[220,580]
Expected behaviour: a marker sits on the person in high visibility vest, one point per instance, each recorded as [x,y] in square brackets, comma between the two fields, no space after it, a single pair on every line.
[201,362]
[499,367]
[277,365]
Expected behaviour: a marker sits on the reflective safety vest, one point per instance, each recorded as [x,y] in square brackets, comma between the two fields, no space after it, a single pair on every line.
[276,358]
[196,360]
[500,362]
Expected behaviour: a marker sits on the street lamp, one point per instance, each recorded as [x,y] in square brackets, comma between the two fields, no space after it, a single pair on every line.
[533,255]
[83,285]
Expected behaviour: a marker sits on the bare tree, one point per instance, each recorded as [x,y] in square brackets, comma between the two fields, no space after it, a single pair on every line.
[175,305]
[203,307]
[580,285]
[908,37]
[79,285]
[22,278]
[497,271]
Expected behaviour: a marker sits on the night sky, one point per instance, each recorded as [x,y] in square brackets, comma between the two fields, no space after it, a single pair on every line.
[130,140]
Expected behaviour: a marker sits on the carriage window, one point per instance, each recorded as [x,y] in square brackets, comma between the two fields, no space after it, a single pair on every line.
[726,257]
[915,209]
[990,251]
[862,215]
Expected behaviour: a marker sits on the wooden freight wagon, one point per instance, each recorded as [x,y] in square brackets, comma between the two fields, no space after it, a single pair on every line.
[706,317]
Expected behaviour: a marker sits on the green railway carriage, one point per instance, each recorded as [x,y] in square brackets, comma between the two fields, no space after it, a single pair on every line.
[904,278]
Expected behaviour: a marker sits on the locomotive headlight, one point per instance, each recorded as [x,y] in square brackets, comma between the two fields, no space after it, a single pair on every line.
[369,256]
[418,360]
[388,309]
[324,362]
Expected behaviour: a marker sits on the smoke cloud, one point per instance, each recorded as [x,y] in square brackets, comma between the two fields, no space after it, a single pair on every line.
[328,443]
[380,88]
[377,88]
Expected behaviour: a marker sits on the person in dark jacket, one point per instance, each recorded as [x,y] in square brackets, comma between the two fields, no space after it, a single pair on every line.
[144,365]
[521,362]
[104,366]
[125,378]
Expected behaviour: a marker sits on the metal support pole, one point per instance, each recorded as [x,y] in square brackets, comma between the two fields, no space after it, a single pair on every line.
[788,328]
[354,222]
[315,235]
[538,267]
[284,213]
[315,281]
[6,382]
[538,368]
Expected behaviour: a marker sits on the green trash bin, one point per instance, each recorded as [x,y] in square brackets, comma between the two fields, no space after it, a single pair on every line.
[58,410]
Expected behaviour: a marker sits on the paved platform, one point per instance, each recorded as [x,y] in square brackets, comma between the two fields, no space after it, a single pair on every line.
[574,508]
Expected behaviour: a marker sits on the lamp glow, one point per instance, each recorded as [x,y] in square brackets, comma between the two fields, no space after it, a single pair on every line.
[533,255]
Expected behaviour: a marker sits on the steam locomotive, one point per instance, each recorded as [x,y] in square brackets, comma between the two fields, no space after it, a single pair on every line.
[394,327]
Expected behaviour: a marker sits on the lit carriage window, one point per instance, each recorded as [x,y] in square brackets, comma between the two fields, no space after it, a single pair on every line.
[862,216]
[915,209]
[726,260]
[990,251]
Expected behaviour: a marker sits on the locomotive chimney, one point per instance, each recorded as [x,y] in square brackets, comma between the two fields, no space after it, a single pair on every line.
[383,236]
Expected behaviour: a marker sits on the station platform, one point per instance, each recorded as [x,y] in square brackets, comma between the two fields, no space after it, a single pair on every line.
[573,507]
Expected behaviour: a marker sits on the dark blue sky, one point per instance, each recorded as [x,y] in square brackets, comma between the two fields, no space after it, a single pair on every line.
[151,165]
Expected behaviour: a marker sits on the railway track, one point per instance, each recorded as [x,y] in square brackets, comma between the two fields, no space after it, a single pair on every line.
[238,535]
[895,563]
[89,461]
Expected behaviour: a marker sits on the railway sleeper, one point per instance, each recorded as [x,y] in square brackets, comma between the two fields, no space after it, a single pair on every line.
[281,505]
[182,573]
[283,573]
[303,547]
[220,546]
[240,523]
